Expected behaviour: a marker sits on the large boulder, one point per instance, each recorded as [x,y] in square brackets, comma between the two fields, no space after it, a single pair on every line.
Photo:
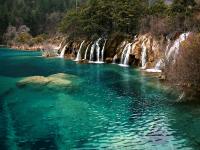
[56,80]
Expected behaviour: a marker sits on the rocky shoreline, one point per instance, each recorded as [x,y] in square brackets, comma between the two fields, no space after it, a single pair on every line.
[26,47]
[148,53]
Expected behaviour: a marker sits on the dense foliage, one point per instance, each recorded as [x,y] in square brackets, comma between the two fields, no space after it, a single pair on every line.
[39,15]
[102,17]
[94,18]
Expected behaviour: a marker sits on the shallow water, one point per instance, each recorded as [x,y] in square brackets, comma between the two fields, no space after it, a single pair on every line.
[105,107]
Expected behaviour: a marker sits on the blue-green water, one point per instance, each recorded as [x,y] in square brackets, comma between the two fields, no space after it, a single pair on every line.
[104,107]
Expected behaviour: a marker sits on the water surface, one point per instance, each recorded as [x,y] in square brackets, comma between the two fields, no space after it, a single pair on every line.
[104,107]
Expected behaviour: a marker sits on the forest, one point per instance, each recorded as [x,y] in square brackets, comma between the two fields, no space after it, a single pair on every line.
[103,17]
[41,16]
[92,18]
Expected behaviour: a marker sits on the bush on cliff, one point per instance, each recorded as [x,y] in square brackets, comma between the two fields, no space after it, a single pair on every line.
[186,71]
[39,39]
[23,38]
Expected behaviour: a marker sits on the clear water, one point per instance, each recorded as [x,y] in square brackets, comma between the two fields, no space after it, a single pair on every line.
[105,107]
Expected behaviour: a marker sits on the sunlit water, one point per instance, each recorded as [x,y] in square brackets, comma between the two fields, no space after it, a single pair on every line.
[105,107]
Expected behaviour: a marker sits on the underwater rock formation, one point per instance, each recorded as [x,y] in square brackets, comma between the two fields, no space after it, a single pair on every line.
[57,80]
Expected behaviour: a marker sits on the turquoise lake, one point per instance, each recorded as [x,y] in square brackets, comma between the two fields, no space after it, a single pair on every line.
[105,106]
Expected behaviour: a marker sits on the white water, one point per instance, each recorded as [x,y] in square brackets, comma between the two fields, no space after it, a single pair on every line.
[60,45]
[96,47]
[126,60]
[168,46]
[157,67]
[78,57]
[174,49]
[125,55]
[62,54]
[114,59]
[159,64]
[98,50]
[170,52]
[92,52]
[86,51]
[144,55]
[103,50]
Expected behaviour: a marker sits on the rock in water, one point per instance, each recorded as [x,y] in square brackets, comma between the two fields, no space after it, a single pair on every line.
[56,80]
[37,80]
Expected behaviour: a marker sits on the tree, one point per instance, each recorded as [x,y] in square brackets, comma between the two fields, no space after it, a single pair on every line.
[181,13]
[36,14]
[103,17]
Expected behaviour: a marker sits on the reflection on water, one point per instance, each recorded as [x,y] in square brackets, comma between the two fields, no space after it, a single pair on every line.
[104,107]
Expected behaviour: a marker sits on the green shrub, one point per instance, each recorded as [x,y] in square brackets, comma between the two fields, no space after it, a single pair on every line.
[23,38]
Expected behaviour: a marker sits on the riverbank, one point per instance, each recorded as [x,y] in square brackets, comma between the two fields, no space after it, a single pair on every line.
[27,47]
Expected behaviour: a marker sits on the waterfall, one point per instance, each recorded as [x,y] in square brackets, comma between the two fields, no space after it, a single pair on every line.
[86,51]
[98,50]
[57,48]
[159,64]
[157,67]
[125,55]
[60,45]
[168,46]
[92,52]
[96,47]
[144,55]
[114,59]
[62,54]
[126,61]
[175,47]
[78,57]
[102,52]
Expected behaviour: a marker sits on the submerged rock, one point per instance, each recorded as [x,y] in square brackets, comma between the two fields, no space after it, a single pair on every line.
[56,80]
[40,80]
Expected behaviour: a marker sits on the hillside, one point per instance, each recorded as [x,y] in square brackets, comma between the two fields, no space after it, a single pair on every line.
[41,16]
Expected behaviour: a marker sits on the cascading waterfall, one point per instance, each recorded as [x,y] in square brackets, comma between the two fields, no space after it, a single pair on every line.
[98,50]
[168,46]
[58,48]
[86,51]
[144,55]
[114,59]
[103,50]
[175,47]
[125,55]
[170,52]
[62,54]
[159,64]
[126,61]
[92,52]
[157,67]
[78,57]
[60,45]
[96,47]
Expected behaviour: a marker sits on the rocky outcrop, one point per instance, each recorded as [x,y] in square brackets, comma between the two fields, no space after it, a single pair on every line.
[57,80]
[147,51]
[114,47]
